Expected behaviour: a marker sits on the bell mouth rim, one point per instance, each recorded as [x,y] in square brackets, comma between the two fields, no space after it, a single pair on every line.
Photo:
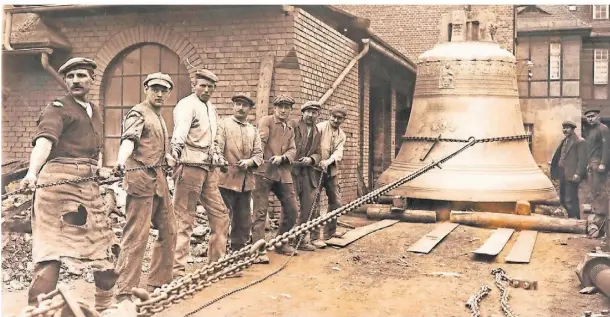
[470,51]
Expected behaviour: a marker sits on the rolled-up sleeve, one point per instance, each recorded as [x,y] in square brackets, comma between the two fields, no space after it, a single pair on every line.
[132,127]
[257,153]
[50,124]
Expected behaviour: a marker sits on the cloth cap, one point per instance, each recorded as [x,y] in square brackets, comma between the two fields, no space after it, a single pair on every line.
[282,99]
[245,98]
[311,105]
[77,63]
[569,124]
[159,79]
[206,73]
[592,111]
[338,110]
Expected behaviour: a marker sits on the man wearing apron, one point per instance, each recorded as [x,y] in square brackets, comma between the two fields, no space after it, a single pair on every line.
[69,221]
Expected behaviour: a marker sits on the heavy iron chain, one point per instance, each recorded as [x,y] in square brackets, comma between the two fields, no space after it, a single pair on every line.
[474,300]
[103,181]
[501,277]
[483,140]
[300,239]
[184,287]
[178,289]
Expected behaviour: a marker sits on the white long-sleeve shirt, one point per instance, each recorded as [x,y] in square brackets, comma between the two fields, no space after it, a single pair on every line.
[195,128]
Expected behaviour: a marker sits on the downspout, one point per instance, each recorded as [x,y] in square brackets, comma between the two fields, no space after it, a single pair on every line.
[44,59]
[8,28]
[347,69]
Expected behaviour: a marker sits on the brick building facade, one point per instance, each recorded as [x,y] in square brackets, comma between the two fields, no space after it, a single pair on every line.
[310,47]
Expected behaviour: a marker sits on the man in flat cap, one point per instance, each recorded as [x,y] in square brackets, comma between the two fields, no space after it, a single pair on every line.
[304,175]
[69,221]
[569,166]
[193,141]
[145,142]
[598,157]
[279,151]
[331,150]
[240,144]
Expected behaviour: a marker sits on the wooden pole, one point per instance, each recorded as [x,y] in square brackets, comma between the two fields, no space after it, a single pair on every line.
[532,222]
[387,212]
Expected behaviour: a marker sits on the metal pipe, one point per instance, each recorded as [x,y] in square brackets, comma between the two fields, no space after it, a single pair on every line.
[44,59]
[7,31]
[392,56]
[347,69]
[600,276]
[54,8]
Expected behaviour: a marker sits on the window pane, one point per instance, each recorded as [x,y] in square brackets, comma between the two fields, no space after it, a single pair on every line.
[168,116]
[169,61]
[131,63]
[150,59]
[173,96]
[131,91]
[600,67]
[112,122]
[112,92]
[111,149]
[116,69]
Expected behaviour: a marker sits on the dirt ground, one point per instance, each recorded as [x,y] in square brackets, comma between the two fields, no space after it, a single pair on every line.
[376,276]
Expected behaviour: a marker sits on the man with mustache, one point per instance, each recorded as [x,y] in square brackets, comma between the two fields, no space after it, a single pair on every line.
[69,221]
[306,178]
[279,151]
[569,166]
[331,149]
[240,144]
[598,157]
[193,141]
[145,142]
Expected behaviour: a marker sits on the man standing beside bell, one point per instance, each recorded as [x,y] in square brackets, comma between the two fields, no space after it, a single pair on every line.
[598,158]
[569,166]
[195,128]
[240,143]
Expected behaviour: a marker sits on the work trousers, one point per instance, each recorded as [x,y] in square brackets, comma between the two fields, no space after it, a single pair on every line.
[307,195]
[46,276]
[597,187]
[568,195]
[285,193]
[140,212]
[333,193]
[241,217]
[193,184]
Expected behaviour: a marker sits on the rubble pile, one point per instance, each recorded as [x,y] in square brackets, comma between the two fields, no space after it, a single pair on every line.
[200,236]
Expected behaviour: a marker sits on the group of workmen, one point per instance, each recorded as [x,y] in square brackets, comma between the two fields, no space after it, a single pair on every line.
[577,159]
[222,164]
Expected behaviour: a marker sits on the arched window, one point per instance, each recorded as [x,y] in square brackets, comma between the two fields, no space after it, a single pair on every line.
[122,89]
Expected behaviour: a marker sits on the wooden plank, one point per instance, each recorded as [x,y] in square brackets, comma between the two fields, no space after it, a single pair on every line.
[429,241]
[523,248]
[360,232]
[496,242]
[264,86]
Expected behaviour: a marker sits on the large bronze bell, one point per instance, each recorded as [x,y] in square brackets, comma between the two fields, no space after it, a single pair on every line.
[467,86]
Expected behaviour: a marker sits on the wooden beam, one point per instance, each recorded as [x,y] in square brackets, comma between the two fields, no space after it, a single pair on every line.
[264,86]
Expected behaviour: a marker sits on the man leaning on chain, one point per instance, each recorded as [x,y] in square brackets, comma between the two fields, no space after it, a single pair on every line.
[144,142]
[69,221]
[193,141]
[331,148]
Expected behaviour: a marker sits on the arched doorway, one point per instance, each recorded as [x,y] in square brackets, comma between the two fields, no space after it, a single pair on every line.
[122,89]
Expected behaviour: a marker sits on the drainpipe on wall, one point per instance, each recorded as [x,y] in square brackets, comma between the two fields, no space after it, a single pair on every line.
[392,56]
[8,28]
[347,69]
[44,59]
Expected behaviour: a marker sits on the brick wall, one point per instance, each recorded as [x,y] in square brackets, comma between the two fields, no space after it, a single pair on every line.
[231,41]
[413,29]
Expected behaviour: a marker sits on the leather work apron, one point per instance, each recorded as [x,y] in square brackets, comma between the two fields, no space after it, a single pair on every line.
[69,222]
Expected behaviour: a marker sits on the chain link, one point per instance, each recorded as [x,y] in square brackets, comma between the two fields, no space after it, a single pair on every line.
[500,276]
[483,140]
[474,300]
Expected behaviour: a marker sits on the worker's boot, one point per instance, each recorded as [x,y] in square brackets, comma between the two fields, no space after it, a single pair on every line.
[287,249]
[318,244]
[262,259]
[305,244]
